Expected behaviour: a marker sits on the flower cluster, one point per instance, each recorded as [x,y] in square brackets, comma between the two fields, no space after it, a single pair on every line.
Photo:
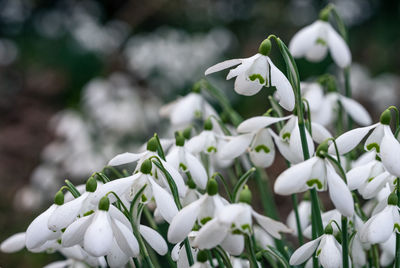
[166,198]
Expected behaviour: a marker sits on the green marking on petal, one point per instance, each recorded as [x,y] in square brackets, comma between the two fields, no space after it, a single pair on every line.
[372,146]
[396,227]
[316,182]
[211,149]
[254,77]
[320,41]
[198,114]
[262,147]
[318,252]
[90,212]
[144,198]
[286,135]
[370,179]
[182,166]
[246,227]
[205,220]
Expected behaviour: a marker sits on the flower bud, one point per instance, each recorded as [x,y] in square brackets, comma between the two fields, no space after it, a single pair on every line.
[392,199]
[322,149]
[386,117]
[104,203]
[91,185]
[146,166]
[212,187]
[59,198]
[208,124]
[152,144]
[265,47]
[328,229]
[187,132]
[179,139]
[202,256]
[245,195]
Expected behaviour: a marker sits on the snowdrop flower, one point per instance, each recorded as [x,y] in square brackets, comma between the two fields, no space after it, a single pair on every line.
[328,251]
[313,42]
[263,239]
[255,72]
[323,107]
[202,260]
[66,213]
[326,217]
[128,187]
[208,140]
[203,210]
[231,223]
[381,226]
[381,140]
[388,251]
[178,253]
[151,151]
[304,209]
[255,138]
[185,110]
[316,172]
[357,247]
[180,158]
[369,178]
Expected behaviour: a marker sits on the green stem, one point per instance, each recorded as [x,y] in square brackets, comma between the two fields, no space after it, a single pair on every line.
[347,86]
[252,254]
[142,246]
[375,253]
[345,247]
[297,216]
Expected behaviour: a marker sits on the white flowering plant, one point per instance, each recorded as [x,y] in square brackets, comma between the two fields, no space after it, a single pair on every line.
[116,221]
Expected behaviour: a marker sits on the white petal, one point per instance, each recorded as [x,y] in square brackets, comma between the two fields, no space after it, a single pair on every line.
[349,140]
[124,158]
[314,94]
[319,132]
[197,170]
[74,233]
[126,241]
[242,68]
[340,52]
[372,187]
[304,252]
[183,222]
[356,111]
[236,146]
[273,227]
[358,175]
[98,236]
[13,244]
[154,239]
[330,255]
[65,214]
[304,40]
[211,235]
[294,178]
[317,52]
[164,201]
[390,152]
[184,111]
[339,193]
[378,228]
[375,139]
[283,87]
[262,152]
[258,122]
[285,150]
[295,144]
[118,186]
[245,86]
[116,258]
[222,66]
[180,184]
[233,244]
[38,232]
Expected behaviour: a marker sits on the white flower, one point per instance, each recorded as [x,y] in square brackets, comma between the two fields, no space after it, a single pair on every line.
[202,210]
[380,226]
[357,248]
[314,40]
[180,158]
[388,251]
[369,178]
[253,73]
[316,173]
[232,221]
[328,251]
[304,210]
[255,138]
[323,107]
[183,111]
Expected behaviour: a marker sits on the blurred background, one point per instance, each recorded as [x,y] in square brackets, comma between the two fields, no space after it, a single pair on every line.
[81,81]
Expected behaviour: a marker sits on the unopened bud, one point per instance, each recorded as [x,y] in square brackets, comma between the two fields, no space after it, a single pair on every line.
[104,203]
[212,187]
